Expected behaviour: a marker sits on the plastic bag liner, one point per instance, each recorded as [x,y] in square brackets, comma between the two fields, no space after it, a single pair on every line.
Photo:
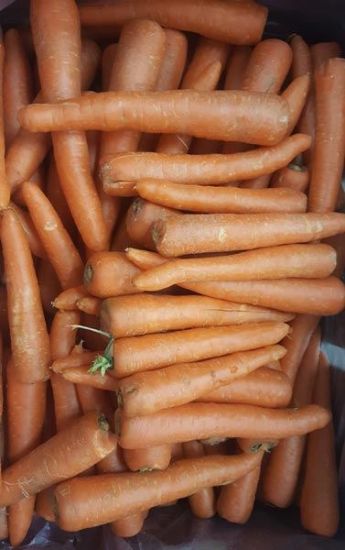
[175,528]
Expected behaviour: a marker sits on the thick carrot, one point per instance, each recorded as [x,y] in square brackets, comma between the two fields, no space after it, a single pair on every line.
[236,67]
[208,199]
[81,375]
[17,85]
[60,249]
[319,502]
[283,467]
[267,66]
[4,186]
[264,387]
[202,169]
[33,238]
[139,218]
[84,443]
[204,420]
[90,305]
[328,154]
[150,313]
[323,51]
[109,274]
[134,492]
[153,351]
[229,232]
[67,299]
[148,392]
[196,113]
[29,337]
[26,408]
[247,19]
[310,261]
[143,460]
[292,176]
[202,503]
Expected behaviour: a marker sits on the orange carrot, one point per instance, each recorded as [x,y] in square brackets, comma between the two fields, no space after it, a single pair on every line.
[18,85]
[77,358]
[86,441]
[204,420]
[139,218]
[146,112]
[67,299]
[35,243]
[4,186]
[202,503]
[236,67]
[323,51]
[319,503]
[60,249]
[310,261]
[150,313]
[121,239]
[82,375]
[143,460]
[247,19]
[328,154]
[292,176]
[109,274]
[89,305]
[137,492]
[202,169]
[153,351]
[196,198]
[129,526]
[263,387]
[296,96]
[48,284]
[267,66]
[302,328]
[108,57]
[55,195]
[3,524]
[229,232]
[29,337]
[283,467]
[148,392]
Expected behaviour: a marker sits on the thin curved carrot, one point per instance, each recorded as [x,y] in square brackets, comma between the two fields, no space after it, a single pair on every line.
[104,269]
[292,176]
[296,96]
[29,337]
[302,329]
[35,243]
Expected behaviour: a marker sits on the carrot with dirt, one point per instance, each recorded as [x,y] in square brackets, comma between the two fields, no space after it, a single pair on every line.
[59,63]
[137,492]
[148,392]
[60,249]
[247,19]
[328,153]
[202,503]
[82,444]
[310,261]
[33,238]
[293,176]
[213,169]
[29,337]
[154,351]
[109,274]
[143,460]
[319,503]
[5,191]
[283,467]
[26,412]
[18,82]
[263,387]
[229,232]
[150,313]
[205,420]
[191,112]
[208,199]
[140,216]
[27,151]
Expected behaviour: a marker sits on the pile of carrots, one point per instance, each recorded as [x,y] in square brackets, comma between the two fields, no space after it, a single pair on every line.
[171,236]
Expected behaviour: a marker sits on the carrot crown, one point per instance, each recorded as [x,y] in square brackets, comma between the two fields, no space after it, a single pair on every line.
[104,362]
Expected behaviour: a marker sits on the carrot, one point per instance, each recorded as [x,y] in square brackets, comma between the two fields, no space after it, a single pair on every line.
[130,526]
[67,299]
[62,340]
[150,313]
[139,218]
[337,242]
[149,392]
[29,337]
[328,155]
[75,359]
[229,232]
[236,67]
[202,169]
[153,351]
[48,284]
[54,193]
[60,249]
[196,198]
[319,503]
[323,51]
[108,57]
[86,441]
[296,96]
[292,176]
[18,85]
[204,420]
[109,274]
[54,53]
[3,524]
[44,504]
[82,375]
[248,445]
[247,20]
[267,66]
[90,305]
[143,460]
[302,328]
[202,503]
[301,57]
[283,467]
[137,492]
[262,387]
[28,150]
[145,112]
[35,243]
[296,260]
[4,186]
[120,240]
